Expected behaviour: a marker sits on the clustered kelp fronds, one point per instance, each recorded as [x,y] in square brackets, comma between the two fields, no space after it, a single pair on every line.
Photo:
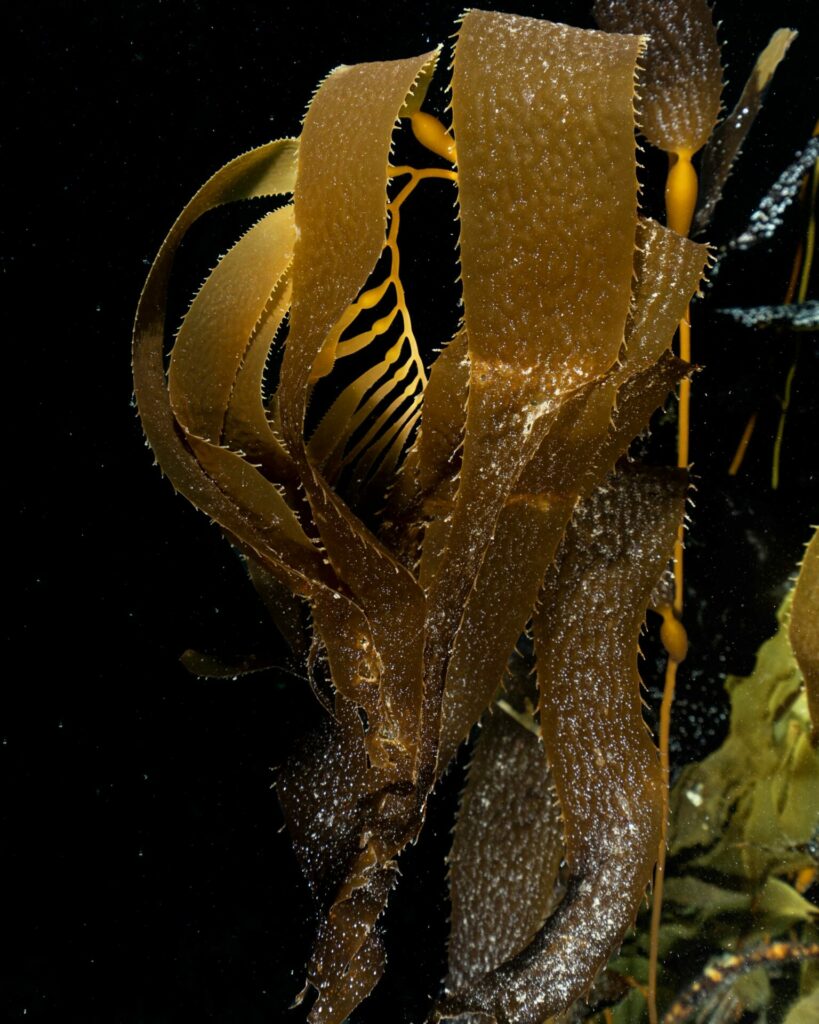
[508,508]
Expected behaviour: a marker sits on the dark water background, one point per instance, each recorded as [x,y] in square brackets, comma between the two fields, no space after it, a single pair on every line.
[146,880]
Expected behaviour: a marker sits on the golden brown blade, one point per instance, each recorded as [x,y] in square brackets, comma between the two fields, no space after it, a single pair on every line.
[218,481]
[605,765]
[804,628]
[587,437]
[559,200]
[508,844]
[219,327]
[681,81]
[248,424]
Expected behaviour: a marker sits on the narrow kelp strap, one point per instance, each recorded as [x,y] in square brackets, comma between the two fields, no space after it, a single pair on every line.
[216,480]
[266,525]
[559,200]
[223,321]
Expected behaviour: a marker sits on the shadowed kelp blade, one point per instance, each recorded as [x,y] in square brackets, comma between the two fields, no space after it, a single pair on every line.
[604,764]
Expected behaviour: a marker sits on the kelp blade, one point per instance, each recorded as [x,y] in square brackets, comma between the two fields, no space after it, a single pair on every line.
[681,79]
[804,627]
[565,219]
[340,211]
[508,841]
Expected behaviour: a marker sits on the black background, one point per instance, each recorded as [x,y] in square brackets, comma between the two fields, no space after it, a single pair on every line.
[145,878]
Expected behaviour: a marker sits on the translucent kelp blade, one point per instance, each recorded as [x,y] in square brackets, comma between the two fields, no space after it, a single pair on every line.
[393,445]
[340,203]
[330,771]
[681,80]
[330,445]
[508,843]
[248,426]
[346,414]
[376,463]
[337,441]
[269,170]
[668,270]
[804,627]
[605,766]
[381,390]
[726,141]
[586,438]
[217,331]
[751,807]
[565,219]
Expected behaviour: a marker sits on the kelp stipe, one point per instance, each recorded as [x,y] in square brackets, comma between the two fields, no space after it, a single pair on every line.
[513,505]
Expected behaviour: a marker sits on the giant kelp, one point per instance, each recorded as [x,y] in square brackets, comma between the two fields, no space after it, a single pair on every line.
[512,503]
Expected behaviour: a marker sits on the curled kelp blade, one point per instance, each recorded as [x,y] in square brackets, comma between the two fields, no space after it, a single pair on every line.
[564,98]
[681,78]
[340,209]
[249,426]
[605,766]
[219,481]
[267,529]
[722,149]
[508,840]
[590,432]
[217,332]
[804,627]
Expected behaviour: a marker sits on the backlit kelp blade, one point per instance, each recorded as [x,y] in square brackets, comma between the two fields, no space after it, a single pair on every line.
[723,148]
[522,79]
[804,628]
